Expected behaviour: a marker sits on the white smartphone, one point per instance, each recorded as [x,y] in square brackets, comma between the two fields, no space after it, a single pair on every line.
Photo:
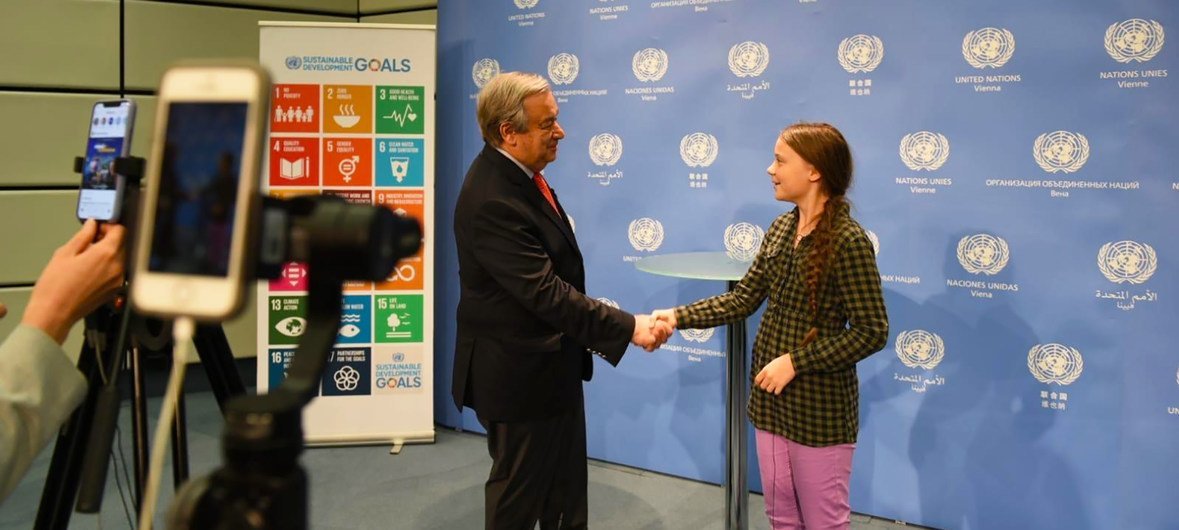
[101,194]
[194,255]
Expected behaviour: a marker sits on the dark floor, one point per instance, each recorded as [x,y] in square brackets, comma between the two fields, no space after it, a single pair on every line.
[437,486]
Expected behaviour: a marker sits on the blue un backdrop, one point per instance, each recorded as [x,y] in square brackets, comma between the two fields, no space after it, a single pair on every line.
[1017,170]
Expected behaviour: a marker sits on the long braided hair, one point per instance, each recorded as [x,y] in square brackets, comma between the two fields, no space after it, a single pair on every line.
[824,147]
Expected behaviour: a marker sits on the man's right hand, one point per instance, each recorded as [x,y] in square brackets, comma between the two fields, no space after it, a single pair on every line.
[650,333]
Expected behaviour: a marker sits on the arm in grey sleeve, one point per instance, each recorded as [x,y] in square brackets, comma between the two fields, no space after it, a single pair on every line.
[39,389]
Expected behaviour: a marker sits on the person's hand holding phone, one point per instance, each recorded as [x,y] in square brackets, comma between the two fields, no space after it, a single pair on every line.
[81,275]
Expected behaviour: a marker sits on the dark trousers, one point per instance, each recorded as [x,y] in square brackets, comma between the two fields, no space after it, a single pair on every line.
[538,473]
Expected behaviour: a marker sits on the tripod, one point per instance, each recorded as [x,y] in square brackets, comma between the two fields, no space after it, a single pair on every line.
[84,443]
[78,467]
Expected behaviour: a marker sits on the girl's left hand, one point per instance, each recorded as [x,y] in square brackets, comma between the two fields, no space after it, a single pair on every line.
[776,375]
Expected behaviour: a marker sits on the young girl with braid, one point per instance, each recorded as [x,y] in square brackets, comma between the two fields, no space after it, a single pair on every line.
[826,312]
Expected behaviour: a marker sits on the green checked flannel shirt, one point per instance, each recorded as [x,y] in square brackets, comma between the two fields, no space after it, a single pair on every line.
[820,407]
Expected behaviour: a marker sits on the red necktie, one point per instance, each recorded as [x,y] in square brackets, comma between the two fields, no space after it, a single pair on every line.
[543,186]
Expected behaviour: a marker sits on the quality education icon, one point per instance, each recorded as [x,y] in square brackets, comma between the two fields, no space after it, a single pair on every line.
[749,59]
[860,53]
[924,150]
[483,70]
[742,240]
[1135,39]
[988,47]
[645,234]
[1055,363]
[983,254]
[649,64]
[563,68]
[1061,151]
[920,349]
[1127,261]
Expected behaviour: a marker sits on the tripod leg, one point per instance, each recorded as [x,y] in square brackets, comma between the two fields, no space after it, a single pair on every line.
[179,445]
[213,349]
[92,486]
[139,427]
[57,498]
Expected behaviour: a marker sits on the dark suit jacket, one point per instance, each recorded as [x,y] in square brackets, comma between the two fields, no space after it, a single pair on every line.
[526,329]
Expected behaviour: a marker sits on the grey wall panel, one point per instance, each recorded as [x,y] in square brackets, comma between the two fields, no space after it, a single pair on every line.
[384,6]
[16,299]
[60,43]
[36,223]
[51,132]
[427,16]
[343,7]
[145,123]
[241,332]
[158,34]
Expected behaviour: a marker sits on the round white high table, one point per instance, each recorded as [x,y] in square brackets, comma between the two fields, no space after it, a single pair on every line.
[719,266]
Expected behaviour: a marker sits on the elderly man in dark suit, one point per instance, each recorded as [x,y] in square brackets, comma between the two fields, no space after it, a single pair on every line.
[526,329]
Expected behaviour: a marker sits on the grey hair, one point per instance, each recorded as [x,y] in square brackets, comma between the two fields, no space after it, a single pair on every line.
[502,100]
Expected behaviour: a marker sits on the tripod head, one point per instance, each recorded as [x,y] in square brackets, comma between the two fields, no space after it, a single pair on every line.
[261,484]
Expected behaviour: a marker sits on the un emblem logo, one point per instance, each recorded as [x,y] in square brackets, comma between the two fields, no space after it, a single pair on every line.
[983,254]
[875,241]
[526,4]
[697,335]
[742,241]
[988,47]
[1061,151]
[605,149]
[1055,363]
[860,53]
[1134,40]
[483,71]
[1127,261]
[294,62]
[698,149]
[749,59]
[920,349]
[924,150]
[609,302]
[563,68]
[646,234]
[649,64]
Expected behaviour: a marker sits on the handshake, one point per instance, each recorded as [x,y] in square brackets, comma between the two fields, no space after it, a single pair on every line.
[651,331]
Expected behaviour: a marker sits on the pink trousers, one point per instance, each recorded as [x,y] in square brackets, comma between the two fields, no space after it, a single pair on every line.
[805,487]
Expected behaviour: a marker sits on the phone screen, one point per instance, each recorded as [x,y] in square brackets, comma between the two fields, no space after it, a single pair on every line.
[99,195]
[199,175]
